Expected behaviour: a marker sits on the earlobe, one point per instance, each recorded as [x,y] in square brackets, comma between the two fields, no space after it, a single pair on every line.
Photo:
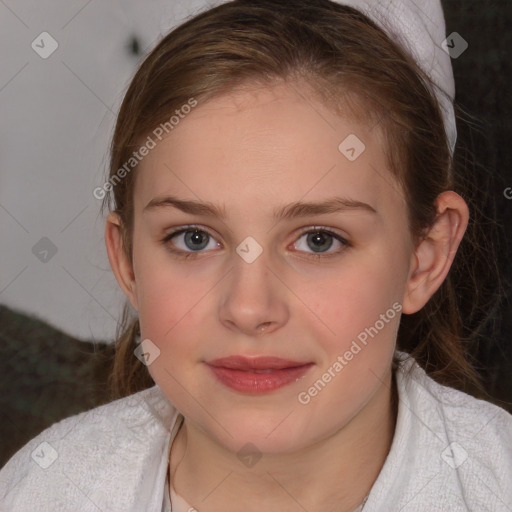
[434,255]
[118,259]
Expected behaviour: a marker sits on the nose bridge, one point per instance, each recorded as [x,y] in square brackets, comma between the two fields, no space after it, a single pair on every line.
[250,278]
[253,295]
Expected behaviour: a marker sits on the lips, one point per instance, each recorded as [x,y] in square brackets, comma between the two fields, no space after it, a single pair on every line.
[257,375]
[257,363]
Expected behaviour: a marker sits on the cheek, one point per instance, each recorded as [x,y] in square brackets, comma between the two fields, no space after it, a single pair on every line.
[353,298]
[357,336]
[169,317]
[169,298]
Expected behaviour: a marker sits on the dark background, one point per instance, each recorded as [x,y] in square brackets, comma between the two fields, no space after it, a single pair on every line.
[482,79]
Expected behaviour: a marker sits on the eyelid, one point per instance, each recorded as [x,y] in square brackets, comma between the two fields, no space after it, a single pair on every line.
[188,227]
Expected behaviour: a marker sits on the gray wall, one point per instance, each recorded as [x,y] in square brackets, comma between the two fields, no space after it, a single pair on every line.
[57,116]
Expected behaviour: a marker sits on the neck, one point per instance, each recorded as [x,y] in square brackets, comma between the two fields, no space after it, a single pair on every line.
[335,473]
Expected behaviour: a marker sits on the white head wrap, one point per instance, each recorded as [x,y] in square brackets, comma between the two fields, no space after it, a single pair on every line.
[419,27]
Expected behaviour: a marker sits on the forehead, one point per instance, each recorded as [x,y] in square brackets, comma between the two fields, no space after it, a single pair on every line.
[267,146]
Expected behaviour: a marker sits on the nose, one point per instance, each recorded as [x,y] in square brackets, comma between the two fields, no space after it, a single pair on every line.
[253,299]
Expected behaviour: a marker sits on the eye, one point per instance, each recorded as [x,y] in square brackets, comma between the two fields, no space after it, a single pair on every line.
[191,240]
[320,240]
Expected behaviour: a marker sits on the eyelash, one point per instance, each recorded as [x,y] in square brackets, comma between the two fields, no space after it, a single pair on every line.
[317,229]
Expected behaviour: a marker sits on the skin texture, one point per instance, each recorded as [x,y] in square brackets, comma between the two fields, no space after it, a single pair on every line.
[253,151]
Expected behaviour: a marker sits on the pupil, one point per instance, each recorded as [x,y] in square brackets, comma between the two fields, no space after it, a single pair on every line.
[318,240]
[196,237]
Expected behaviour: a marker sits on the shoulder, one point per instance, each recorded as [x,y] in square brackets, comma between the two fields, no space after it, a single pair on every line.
[463,414]
[113,444]
[451,451]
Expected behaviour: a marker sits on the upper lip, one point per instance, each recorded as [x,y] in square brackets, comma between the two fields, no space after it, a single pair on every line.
[255,363]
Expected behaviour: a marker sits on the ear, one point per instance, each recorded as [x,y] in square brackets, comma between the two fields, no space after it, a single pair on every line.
[434,255]
[119,261]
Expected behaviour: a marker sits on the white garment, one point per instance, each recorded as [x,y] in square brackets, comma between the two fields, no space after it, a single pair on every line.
[114,458]
[419,27]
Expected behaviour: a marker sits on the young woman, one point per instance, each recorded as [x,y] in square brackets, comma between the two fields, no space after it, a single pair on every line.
[283,222]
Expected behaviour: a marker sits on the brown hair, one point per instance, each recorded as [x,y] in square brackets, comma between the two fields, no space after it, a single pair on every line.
[342,55]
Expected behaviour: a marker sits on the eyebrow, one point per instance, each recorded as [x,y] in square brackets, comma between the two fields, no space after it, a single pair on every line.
[296,209]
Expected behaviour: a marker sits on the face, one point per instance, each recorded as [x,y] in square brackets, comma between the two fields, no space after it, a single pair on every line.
[322,282]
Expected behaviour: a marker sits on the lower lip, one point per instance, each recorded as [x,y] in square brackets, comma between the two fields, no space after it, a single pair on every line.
[257,383]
